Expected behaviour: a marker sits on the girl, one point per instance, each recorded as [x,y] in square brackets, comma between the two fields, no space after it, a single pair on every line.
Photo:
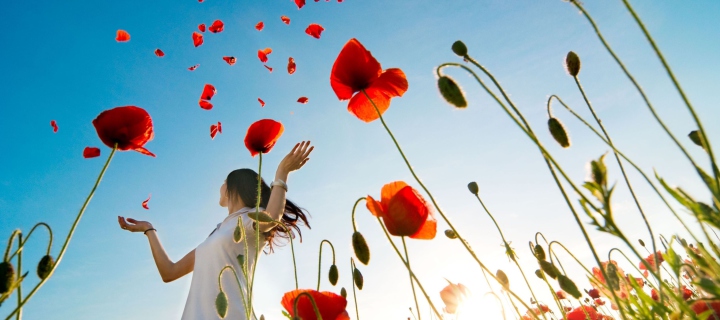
[239,194]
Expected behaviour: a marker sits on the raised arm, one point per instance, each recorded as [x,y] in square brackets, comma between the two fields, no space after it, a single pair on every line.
[294,160]
[169,271]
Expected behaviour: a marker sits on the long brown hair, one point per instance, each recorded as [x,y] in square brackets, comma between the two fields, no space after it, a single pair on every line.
[243,183]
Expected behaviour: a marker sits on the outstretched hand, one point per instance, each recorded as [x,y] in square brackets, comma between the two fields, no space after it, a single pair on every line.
[134,225]
[297,157]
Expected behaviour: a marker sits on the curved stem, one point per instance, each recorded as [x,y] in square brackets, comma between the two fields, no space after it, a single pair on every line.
[320,259]
[412,285]
[314,305]
[13,235]
[550,288]
[28,237]
[353,213]
[242,295]
[352,272]
[19,288]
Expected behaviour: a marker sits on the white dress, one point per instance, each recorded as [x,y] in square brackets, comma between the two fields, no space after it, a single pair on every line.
[211,256]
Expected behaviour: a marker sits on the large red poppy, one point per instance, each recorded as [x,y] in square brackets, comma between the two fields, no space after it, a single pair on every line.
[130,127]
[588,313]
[355,69]
[404,211]
[262,136]
[330,305]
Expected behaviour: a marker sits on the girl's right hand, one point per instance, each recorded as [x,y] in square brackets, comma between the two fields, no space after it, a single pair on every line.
[134,225]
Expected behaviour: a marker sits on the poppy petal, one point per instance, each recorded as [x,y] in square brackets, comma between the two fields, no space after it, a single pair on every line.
[208,92]
[314,30]
[354,69]
[363,108]
[193,67]
[229,60]
[303,100]
[205,104]
[428,229]
[300,3]
[219,126]
[392,82]
[201,27]
[54,125]
[91,152]
[285,19]
[390,190]
[213,131]
[262,103]
[291,65]
[197,39]
[262,136]
[144,151]
[122,36]
[159,53]
[268,67]
[216,26]
[373,206]
[406,213]
[145,203]
[330,305]
[263,53]
[259,26]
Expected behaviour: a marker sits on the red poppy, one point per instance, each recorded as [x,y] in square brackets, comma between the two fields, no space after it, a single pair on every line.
[594,293]
[300,3]
[91,152]
[205,104]
[145,203]
[216,26]
[229,60]
[159,53]
[262,136]
[197,39]
[262,54]
[651,261]
[208,92]
[686,293]
[122,36]
[194,67]
[704,306]
[588,313]
[355,69]
[404,211]
[291,65]
[654,294]
[561,295]
[303,100]
[201,27]
[268,67]
[314,30]
[54,125]
[130,127]
[259,26]
[599,302]
[454,295]
[285,19]
[215,129]
[262,103]
[330,305]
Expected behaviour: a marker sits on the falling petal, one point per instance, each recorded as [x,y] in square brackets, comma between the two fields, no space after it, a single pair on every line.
[208,92]
[262,103]
[54,125]
[159,53]
[314,30]
[217,26]
[285,19]
[197,39]
[229,60]
[205,104]
[291,65]
[201,27]
[300,3]
[213,131]
[262,54]
[122,36]
[269,68]
[193,67]
[91,152]
[259,26]
[303,100]
[145,203]
[219,127]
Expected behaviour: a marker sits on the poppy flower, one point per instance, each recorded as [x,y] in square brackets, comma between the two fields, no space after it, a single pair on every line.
[208,92]
[216,26]
[651,261]
[354,70]
[599,302]
[205,104]
[262,54]
[583,313]
[54,125]
[159,53]
[701,306]
[201,27]
[194,67]
[262,103]
[561,295]
[594,293]
[454,295]
[686,293]
[285,19]
[331,306]
[303,100]
[291,65]
[130,127]
[122,36]
[268,67]
[229,60]
[262,136]
[314,30]
[215,129]
[404,211]
[197,39]
[300,3]
[654,294]
[145,203]
[259,26]
[91,152]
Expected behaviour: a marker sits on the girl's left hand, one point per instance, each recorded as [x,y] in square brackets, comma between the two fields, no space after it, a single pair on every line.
[297,157]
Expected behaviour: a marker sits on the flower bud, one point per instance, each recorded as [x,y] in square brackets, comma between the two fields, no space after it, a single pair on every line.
[451,92]
[241,260]
[362,251]
[358,278]
[262,317]
[45,265]
[343,292]
[549,269]
[569,286]
[333,275]
[613,280]
[503,279]
[450,234]
[557,130]
[237,234]
[7,275]
[642,243]
[696,138]
[473,187]
[539,274]
[221,304]
[539,252]
[459,48]
[572,64]
[261,216]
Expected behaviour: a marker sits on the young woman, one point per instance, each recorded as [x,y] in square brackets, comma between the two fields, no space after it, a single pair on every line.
[239,194]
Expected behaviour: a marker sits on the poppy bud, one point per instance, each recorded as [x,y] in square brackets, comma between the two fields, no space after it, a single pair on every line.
[362,251]
[7,275]
[450,234]
[333,274]
[539,252]
[539,273]
[549,269]
[261,216]
[642,243]
[558,132]
[503,279]
[241,260]
[45,266]
[599,171]
[572,64]
[262,317]
[343,292]
[459,48]
[613,280]
[569,286]
[473,187]
[695,137]
[451,92]
[358,278]
[237,235]
[221,304]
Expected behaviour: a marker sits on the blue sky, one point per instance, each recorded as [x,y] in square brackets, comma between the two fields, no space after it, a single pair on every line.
[61,62]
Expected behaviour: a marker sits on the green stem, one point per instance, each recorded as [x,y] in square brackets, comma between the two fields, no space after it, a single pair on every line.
[550,288]
[352,272]
[320,259]
[19,288]
[22,244]
[257,230]
[13,235]
[69,236]
[242,295]
[295,307]
[353,213]
[412,285]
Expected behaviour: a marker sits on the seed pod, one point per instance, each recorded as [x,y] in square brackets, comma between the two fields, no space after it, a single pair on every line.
[558,132]
[451,92]
[539,273]
[569,286]
[45,265]
[362,251]
[613,280]
[642,243]
[7,275]
[539,252]
[696,137]
[333,275]
[221,304]
[237,234]
[549,269]
[572,64]
[343,292]
[358,278]
[503,279]
[450,234]
[473,187]
[459,48]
